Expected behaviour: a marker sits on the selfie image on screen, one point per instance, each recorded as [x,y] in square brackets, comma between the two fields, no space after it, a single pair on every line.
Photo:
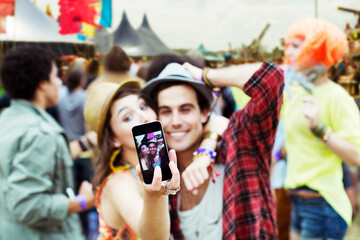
[151,150]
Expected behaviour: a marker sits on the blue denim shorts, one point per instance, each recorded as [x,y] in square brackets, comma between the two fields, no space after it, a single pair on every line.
[316,219]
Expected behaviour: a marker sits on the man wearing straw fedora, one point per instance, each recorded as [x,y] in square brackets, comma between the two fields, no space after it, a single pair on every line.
[239,205]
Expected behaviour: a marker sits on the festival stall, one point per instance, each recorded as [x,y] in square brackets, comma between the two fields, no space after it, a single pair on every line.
[30,26]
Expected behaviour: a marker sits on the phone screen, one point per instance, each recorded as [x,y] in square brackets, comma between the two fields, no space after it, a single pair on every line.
[152,150]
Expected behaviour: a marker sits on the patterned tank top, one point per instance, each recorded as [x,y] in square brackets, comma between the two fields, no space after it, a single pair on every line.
[105,231]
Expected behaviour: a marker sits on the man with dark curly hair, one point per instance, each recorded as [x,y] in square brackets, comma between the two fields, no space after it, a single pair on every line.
[35,161]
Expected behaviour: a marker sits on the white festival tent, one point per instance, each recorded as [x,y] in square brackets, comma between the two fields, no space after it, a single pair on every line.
[31,26]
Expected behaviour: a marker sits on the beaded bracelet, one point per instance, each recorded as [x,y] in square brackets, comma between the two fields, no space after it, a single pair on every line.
[327,134]
[319,130]
[207,152]
[204,151]
[322,132]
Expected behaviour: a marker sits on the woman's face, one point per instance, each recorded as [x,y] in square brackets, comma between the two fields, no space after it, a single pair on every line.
[144,150]
[152,148]
[292,52]
[127,112]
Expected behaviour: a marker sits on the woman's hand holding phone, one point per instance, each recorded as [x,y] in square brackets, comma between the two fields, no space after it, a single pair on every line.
[168,187]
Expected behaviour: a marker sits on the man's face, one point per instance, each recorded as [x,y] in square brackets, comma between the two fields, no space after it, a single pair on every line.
[182,119]
[52,87]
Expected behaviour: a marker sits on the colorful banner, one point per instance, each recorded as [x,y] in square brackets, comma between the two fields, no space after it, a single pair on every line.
[74,13]
[106,13]
[7,8]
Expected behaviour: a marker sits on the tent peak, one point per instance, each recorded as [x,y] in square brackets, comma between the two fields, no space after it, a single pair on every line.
[124,17]
[145,22]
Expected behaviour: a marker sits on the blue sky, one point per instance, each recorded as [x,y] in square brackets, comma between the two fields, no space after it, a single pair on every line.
[215,23]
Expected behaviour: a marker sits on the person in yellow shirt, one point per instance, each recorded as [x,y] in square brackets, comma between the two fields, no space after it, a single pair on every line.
[322,126]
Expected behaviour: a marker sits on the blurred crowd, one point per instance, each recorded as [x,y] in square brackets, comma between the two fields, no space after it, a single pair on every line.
[280,162]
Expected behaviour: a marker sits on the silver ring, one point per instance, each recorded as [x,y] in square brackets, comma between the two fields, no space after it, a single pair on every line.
[171,191]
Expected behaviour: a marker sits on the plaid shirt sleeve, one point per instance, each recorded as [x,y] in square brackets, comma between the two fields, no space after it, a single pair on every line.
[248,206]
[246,149]
[175,221]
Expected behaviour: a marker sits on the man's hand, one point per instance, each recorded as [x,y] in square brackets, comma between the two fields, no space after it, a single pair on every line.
[194,71]
[92,138]
[86,191]
[196,173]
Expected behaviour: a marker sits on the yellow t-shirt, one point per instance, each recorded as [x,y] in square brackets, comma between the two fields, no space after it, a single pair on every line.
[240,98]
[310,161]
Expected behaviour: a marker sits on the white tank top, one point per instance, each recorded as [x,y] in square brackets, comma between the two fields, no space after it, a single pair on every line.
[204,221]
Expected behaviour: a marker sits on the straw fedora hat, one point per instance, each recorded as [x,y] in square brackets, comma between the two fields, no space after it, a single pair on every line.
[99,100]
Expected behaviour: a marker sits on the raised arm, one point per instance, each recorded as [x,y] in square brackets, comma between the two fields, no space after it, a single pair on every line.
[148,214]
[84,143]
[236,76]
[198,171]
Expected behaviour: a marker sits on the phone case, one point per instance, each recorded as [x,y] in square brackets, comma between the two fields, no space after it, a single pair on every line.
[152,150]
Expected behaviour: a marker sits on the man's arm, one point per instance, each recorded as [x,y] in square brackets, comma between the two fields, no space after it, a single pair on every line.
[30,195]
[262,81]
[236,76]
[84,143]
[197,172]
[146,214]
[265,87]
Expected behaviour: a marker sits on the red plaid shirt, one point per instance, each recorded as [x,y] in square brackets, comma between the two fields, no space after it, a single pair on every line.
[248,206]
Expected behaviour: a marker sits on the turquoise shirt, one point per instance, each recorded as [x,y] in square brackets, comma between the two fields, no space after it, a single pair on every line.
[35,170]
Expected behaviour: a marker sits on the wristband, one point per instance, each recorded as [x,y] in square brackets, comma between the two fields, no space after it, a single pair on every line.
[322,132]
[327,134]
[204,151]
[88,141]
[205,79]
[81,200]
[212,135]
[277,155]
[207,82]
[319,130]
[83,145]
[207,152]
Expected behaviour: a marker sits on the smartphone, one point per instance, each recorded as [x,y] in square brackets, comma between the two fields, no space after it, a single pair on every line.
[152,150]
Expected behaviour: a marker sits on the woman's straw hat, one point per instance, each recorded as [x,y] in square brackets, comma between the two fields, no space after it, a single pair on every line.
[98,101]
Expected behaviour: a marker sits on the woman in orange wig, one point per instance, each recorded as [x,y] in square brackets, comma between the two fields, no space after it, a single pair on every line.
[322,126]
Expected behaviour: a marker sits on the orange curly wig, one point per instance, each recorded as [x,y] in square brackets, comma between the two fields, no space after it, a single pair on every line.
[322,39]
